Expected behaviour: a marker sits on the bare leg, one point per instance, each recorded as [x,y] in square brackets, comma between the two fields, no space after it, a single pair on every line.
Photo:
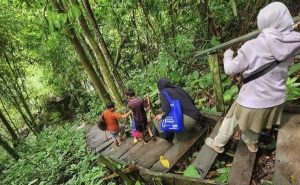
[150,131]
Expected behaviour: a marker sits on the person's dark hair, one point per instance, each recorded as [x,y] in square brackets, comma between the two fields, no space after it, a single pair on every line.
[110,105]
[130,93]
[164,83]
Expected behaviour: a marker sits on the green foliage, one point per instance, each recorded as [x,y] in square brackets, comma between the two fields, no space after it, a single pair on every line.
[292,84]
[191,171]
[56,156]
[293,88]
[222,171]
[294,68]
[223,175]
[146,79]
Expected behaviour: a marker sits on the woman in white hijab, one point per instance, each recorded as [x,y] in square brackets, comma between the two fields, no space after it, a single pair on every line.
[259,103]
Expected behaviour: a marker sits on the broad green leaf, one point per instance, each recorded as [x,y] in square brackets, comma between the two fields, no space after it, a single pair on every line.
[195,74]
[294,68]
[191,171]
[74,12]
[137,183]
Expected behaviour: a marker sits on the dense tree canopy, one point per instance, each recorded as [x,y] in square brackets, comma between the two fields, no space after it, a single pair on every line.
[64,59]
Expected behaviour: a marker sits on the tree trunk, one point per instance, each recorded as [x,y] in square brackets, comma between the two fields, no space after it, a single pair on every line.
[92,58]
[16,103]
[206,13]
[22,100]
[16,72]
[108,78]
[138,37]
[9,149]
[19,91]
[102,45]
[83,57]
[7,113]
[9,128]
[173,29]
[146,15]
[87,65]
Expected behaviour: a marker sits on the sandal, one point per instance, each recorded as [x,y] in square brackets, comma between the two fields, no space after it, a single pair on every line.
[252,147]
[210,143]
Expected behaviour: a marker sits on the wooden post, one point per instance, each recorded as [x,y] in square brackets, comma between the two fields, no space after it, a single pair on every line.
[217,84]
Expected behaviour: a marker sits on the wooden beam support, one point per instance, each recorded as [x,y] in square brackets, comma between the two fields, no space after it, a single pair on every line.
[171,179]
[217,84]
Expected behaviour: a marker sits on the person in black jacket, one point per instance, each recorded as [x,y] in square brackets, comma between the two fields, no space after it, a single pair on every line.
[191,115]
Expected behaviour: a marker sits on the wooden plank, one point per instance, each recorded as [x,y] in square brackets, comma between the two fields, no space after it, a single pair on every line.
[104,145]
[107,150]
[153,155]
[242,165]
[98,139]
[133,157]
[126,145]
[233,41]
[93,129]
[152,177]
[206,157]
[87,128]
[131,151]
[178,150]
[287,170]
[99,142]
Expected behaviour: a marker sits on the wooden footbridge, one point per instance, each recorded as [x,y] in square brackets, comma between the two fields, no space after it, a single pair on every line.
[146,156]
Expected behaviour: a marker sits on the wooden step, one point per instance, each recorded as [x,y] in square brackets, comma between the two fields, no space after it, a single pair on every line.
[134,156]
[287,170]
[242,165]
[126,145]
[178,150]
[206,157]
[153,155]
[128,155]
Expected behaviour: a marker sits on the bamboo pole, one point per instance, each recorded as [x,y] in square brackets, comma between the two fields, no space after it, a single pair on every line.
[217,84]
[243,38]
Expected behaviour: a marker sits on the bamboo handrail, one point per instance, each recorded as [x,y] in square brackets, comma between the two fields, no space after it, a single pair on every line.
[233,41]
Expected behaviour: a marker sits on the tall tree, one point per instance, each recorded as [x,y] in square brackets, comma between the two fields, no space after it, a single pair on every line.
[102,45]
[12,152]
[9,128]
[72,36]
[107,76]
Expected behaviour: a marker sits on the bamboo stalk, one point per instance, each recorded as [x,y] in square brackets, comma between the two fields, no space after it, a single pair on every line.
[217,84]
[243,38]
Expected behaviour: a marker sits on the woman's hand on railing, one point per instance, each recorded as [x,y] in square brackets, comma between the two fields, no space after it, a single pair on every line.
[296,27]
[228,53]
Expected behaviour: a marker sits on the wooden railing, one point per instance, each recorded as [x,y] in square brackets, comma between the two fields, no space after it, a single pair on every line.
[214,64]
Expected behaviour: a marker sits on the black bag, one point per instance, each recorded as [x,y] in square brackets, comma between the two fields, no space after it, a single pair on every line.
[101,123]
[261,72]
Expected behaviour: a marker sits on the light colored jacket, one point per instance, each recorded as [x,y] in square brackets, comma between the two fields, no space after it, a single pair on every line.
[273,43]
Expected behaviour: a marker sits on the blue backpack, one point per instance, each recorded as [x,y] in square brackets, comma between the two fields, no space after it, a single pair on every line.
[173,122]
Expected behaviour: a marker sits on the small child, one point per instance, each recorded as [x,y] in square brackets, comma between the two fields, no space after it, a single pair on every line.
[135,133]
[138,106]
